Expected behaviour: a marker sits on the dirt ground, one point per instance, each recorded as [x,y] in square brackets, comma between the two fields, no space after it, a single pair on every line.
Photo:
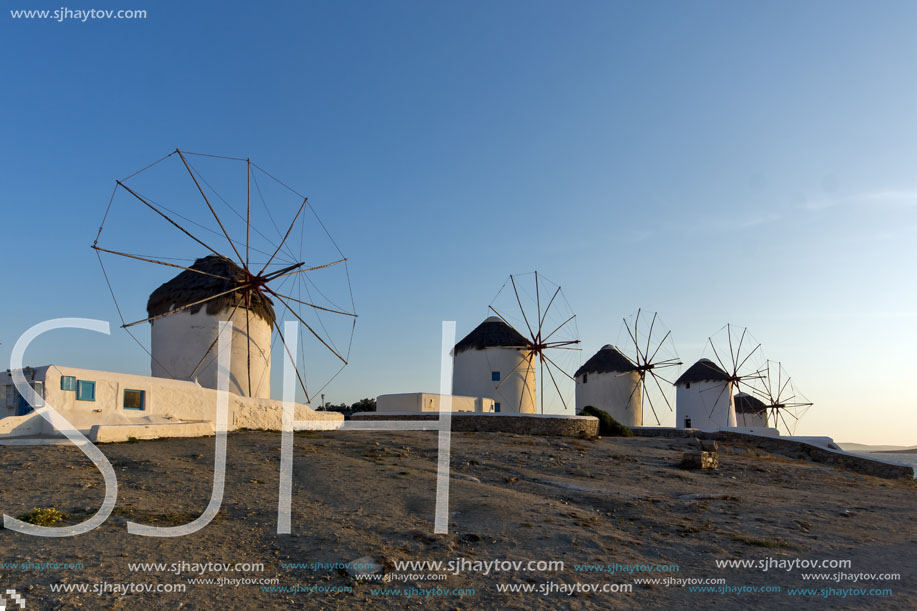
[603,503]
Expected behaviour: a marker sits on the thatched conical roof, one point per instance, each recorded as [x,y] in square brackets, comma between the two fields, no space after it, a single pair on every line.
[492,333]
[748,404]
[608,359]
[703,370]
[188,287]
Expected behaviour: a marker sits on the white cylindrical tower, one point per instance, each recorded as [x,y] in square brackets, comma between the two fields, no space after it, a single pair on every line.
[183,344]
[611,382]
[750,411]
[703,398]
[495,361]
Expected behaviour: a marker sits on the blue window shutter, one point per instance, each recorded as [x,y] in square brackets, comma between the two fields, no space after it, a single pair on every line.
[85,390]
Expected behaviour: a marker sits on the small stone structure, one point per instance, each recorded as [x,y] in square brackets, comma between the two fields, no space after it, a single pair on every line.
[706,457]
[700,460]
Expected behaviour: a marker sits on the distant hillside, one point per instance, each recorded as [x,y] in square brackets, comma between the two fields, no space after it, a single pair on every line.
[862,447]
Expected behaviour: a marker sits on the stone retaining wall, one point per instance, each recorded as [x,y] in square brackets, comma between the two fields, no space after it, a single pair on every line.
[562,426]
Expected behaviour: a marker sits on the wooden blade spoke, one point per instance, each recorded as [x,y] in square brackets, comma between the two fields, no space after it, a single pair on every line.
[649,400]
[732,354]
[741,341]
[139,258]
[659,347]
[311,330]
[545,315]
[746,359]
[522,309]
[637,335]
[248,208]
[538,305]
[189,305]
[248,343]
[213,156]
[290,354]
[525,380]
[785,423]
[504,320]
[510,374]
[717,400]
[780,394]
[637,386]
[649,337]
[559,328]
[661,378]
[213,343]
[716,354]
[570,342]
[659,386]
[791,414]
[212,211]
[559,368]
[282,272]
[317,307]
[556,387]
[633,339]
[166,217]
[308,269]
[286,235]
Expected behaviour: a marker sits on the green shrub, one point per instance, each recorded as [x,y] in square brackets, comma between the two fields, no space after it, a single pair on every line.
[608,426]
[43,516]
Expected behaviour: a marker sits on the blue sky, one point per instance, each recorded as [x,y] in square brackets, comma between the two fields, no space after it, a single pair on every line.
[719,162]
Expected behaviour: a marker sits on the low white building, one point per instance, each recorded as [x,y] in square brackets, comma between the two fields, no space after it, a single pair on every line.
[108,406]
[611,382]
[751,412]
[703,398]
[431,402]
[496,361]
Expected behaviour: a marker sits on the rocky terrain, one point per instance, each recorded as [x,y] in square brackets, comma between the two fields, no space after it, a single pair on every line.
[611,510]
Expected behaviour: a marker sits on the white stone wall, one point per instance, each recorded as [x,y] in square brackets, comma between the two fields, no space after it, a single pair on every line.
[165,401]
[708,404]
[472,377]
[431,402]
[612,392]
[180,340]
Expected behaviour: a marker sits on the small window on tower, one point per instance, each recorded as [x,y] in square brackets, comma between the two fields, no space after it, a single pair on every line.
[687,384]
[585,377]
[494,376]
[496,406]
